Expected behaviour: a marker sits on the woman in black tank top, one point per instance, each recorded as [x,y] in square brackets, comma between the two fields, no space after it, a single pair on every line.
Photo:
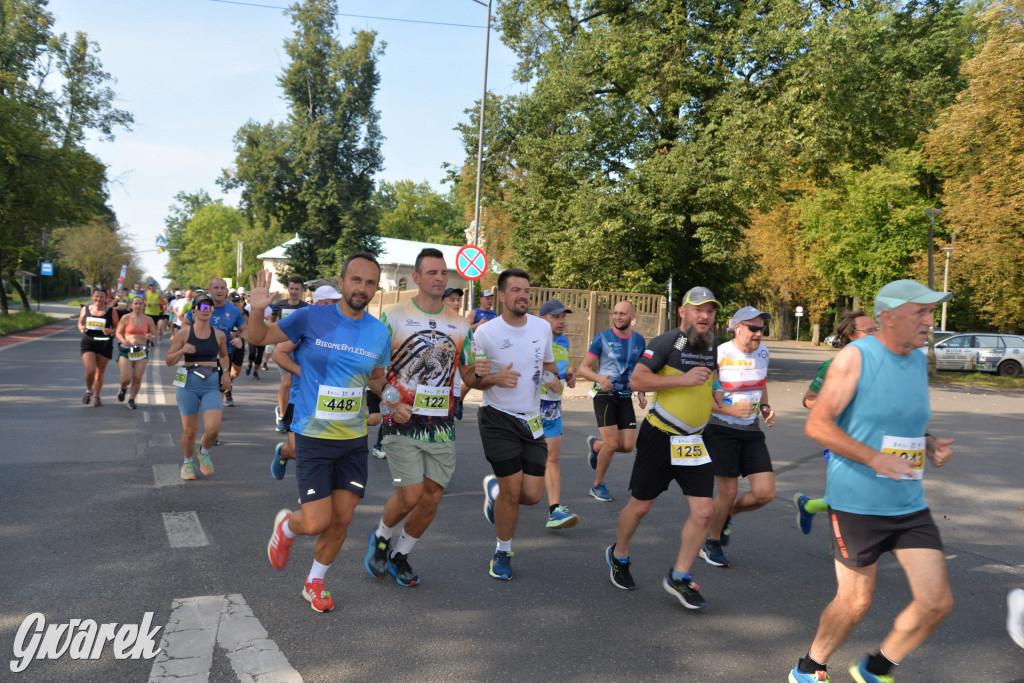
[97,323]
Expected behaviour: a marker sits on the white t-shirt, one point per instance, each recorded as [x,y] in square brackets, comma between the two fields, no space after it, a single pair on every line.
[176,306]
[527,348]
[743,377]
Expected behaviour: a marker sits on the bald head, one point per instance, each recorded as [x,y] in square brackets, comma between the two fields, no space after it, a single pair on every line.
[623,315]
[218,291]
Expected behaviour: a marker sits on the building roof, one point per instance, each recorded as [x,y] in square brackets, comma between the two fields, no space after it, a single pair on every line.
[278,252]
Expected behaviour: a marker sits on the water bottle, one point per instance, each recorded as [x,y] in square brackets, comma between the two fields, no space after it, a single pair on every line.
[548,377]
[390,393]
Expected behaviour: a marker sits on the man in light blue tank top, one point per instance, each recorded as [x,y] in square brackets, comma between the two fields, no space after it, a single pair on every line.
[872,413]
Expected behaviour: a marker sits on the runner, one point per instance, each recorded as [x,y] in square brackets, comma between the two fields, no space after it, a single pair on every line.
[154,307]
[430,345]
[615,352]
[283,309]
[853,325]
[97,322]
[559,516]
[227,317]
[133,331]
[453,300]
[679,368]
[255,352]
[873,414]
[478,316]
[518,347]
[203,349]
[342,350]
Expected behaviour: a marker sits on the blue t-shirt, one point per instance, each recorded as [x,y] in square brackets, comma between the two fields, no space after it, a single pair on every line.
[551,406]
[891,401]
[480,314]
[225,318]
[338,355]
[617,357]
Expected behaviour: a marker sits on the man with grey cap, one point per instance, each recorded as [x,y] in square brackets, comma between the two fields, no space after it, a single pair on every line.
[559,515]
[873,413]
[478,316]
[733,436]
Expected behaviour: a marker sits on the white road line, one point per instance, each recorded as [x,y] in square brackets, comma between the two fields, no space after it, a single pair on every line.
[160,440]
[167,475]
[184,530]
[197,624]
[156,390]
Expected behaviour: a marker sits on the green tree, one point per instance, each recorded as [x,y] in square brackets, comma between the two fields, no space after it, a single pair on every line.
[313,173]
[97,250]
[413,211]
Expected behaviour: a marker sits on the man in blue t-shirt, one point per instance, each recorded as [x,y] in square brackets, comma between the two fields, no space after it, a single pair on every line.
[484,312]
[614,352]
[229,320]
[342,351]
[872,414]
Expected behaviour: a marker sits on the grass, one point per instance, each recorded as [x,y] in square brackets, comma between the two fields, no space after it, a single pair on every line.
[23,320]
[978,379]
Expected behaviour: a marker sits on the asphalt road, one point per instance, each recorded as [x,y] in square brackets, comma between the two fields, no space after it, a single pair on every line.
[84,536]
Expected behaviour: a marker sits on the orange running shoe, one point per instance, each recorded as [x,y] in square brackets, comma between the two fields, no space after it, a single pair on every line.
[280,546]
[317,596]
[205,464]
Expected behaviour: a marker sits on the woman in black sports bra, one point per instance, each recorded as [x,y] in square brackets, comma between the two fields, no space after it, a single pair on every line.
[97,323]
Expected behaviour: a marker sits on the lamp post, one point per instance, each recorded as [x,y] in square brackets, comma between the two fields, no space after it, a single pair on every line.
[945,278]
[480,146]
[931,213]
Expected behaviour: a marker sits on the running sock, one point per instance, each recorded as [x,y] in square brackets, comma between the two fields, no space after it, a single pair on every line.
[203,450]
[815,506]
[405,544]
[809,666]
[317,571]
[287,530]
[188,460]
[505,546]
[879,664]
[385,532]
[551,508]
[680,576]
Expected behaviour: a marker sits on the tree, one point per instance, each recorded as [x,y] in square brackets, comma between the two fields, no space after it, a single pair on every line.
[413,211]
[313,174]
[97,250]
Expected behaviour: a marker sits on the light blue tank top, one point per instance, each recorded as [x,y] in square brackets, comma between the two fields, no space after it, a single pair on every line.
[891,400]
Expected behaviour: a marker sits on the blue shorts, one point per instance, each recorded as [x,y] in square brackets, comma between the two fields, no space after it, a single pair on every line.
[326,465]
[552,428]
[199,395]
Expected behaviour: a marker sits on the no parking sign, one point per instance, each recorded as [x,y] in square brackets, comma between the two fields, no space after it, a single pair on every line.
[471,262]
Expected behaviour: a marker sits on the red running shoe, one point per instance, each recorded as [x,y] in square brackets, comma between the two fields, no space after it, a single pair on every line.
[280,546]
[317,596]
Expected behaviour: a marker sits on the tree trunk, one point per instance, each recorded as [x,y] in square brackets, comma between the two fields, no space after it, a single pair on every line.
[24,299]
[3,298]
[815,332]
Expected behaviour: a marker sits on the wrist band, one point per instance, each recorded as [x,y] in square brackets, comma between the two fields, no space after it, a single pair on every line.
[766,405]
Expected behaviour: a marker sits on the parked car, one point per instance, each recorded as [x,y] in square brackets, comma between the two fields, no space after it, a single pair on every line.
[981,352]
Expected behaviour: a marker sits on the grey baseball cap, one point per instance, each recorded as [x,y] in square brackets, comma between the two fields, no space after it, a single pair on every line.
[487,292]
[553,307]
[700,295]
[749,313]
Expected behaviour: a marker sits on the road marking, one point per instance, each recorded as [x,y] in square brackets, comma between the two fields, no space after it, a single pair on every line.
[155,388]
[167,475]
[162,439]
[199,623]
[19,338]
[184,530]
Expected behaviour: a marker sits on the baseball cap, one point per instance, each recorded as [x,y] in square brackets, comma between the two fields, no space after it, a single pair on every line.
[235,297]
[177,292]
[200,298]
[748,313]
[700,295]
[325,292]
[487,292]
[899,292]
[452,290]
[553,307]
[241,290]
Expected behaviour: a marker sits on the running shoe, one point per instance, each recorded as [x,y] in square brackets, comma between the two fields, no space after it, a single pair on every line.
[265,368]
[120,394]
[803,517]
[188,471]
[561,518]
[686,591]
[248,369]
[280,545]
[205,464]
[317,596]
[278,420]
[96,402]
[458,410]
[278,466]
[727,531]
[860,673]
[87,398]
[712,553]
[618,570]
[131,404]
[228,401]
[591,453]
[797,676]
[376,560]
[398,567]
[490,493]
[601,493]
[379,453]
[256,374]
[501,565]
[1015,615]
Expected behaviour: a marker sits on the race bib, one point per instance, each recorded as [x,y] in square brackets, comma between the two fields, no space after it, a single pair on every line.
[908,448]
[92,323]
[535,424]
[137,353]
[287,312]
[338,403]
[688,451]
[753,397]
[431,401]
[180,375]
[593,390]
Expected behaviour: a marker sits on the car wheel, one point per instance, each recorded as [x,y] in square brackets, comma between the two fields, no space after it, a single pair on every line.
[1009,368]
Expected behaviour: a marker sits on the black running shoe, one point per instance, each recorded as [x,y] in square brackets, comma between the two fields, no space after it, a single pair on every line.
[618,571]
[398,567]
[685,591]
[376,560]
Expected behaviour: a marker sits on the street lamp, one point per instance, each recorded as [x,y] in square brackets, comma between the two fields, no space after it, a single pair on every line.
[945,278]
[931,213]
[480,145]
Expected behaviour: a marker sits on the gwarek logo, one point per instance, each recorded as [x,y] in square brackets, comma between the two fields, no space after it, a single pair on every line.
[81,639]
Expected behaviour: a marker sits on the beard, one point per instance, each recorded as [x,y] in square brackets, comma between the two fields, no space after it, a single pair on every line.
[699,342]
[623,327]
[356,304]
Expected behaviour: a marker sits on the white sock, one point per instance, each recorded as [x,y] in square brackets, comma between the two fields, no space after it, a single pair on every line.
[188,460]
[405,544]
[287,530]
[317,571]
[505,546]
[385,532]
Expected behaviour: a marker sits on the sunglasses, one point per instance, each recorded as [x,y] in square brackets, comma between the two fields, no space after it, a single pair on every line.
[871,331]
[756,329]
[205,307]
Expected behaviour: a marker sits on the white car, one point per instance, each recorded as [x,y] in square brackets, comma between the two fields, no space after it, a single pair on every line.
[981,352]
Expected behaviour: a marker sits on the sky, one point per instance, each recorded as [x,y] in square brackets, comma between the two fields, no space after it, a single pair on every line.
[193,71]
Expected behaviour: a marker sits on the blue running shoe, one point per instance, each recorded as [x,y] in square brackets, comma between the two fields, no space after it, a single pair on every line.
[618,571]
[501,565]
[803,517]
[490,493]
[591,453]
[278,465]
[376,560]
[601,493]
[797,676]
[712,553]
[860,673]
[561,518]
[398,567]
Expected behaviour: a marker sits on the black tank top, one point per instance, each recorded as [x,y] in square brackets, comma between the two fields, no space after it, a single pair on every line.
[206,349]
[93,328]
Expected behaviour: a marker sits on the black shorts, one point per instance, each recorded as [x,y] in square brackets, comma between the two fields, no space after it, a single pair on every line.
[326,465]
[237,356]
[103,348]
[859,540]
[653,470]
[737,453]
[509,444]
[614,411]
[289,413]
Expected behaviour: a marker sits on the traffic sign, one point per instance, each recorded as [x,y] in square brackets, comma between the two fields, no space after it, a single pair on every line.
[46,268]
[471,262]
[799,311]
[161,242]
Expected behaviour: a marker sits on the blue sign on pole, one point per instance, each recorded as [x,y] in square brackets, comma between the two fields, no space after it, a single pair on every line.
[46,268]
[161,243]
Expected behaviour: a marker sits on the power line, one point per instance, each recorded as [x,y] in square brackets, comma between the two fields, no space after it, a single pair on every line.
[353,16]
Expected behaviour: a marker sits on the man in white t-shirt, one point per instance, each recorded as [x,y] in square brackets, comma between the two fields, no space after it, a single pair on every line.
[733,436]
[517,348]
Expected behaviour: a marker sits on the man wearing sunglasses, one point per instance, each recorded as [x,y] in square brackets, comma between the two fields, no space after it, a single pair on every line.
[733,435]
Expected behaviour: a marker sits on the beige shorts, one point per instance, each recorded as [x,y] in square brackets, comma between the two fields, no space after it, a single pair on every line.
[410,460]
